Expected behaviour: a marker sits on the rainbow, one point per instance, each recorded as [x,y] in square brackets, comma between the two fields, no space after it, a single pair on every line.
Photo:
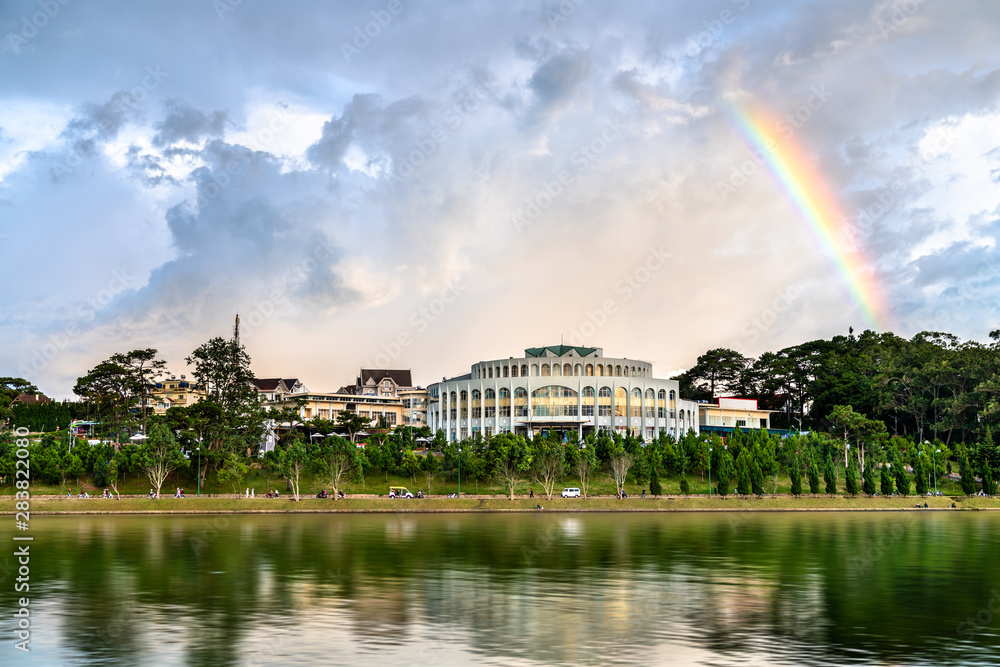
[804,186]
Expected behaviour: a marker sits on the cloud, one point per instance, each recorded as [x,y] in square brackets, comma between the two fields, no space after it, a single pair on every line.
[181,121]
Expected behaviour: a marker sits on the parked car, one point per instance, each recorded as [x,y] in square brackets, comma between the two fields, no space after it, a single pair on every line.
[571,492]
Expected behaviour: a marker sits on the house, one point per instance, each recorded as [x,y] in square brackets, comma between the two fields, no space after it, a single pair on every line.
[274,390]
[730,412]
[174,392]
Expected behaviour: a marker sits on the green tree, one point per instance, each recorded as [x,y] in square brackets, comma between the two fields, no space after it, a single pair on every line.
[160,455]
[429,465]
[868,479]
[812,474]
[335,459]
[851,478]
[411,464]
[899,475]
[548,459]
[989,483]
[720,369]
[352,422]
[919,475]
[885,481]
[621,462]
[509,459]
[726,472]
[744,484]
[113,476]
[293,463]
[655,487]
[968,480]
[685,485]
[234,471]
[795,475]
[829,476]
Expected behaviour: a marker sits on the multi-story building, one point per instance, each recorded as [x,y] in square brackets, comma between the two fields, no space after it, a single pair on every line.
[327,406]
[559,388]
[273,390]
[174,392]
[380,382]
[728,413]
[414,407]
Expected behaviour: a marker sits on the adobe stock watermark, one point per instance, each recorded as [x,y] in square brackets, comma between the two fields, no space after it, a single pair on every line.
[363,35]
[899,13]
[87,310]
[551,189]
[124,101]
[419,321]
[562,12]
[33,24]
[756,326]
[296,275]
[758,156]
[714,29]
[452,119]
[626,288]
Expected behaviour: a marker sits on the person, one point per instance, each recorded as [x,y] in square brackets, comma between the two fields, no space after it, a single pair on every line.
[531,493]
[644,493]
[538,507]
[68,493]
[182,492]
[392,494]
[253,493]
[247,492]
[341,493]
[420,494]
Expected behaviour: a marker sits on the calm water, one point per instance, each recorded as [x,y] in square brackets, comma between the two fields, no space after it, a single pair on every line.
[525,589]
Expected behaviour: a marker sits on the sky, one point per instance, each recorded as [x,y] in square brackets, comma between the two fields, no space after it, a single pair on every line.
[425,185]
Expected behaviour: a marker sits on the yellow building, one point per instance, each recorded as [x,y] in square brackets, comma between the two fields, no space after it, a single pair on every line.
[328,406]
[173,393]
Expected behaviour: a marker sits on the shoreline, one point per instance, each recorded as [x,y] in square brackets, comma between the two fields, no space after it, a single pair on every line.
[61,506]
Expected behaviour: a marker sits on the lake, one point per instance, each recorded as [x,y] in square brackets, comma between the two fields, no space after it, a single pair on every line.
[720,589]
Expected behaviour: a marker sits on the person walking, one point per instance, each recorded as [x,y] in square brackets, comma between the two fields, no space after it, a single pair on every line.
[253,493]
[531,493]
[644,493]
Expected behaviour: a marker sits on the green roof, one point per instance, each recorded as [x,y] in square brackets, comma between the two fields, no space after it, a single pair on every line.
[559,350]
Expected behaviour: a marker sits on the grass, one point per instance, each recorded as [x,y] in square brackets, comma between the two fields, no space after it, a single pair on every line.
[374,504]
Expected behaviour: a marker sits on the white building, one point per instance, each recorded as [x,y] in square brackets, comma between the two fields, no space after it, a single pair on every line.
[560,388]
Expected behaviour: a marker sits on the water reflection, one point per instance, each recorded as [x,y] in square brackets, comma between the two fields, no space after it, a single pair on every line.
[887,589]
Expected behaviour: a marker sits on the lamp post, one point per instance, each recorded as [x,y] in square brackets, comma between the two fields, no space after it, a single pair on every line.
[459,472]
[199,467]
[934,450]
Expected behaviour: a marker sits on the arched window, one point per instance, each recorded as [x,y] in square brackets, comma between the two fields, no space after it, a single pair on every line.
[650,404]
[661,404]
[600,370]
[556,369]
[465,396]
[477,404]
[513,370]
[520,402]
[524,370]
[588,402]
[534,370]
[490,394]
[568,369]
[545,370]
[636,403]
[491,371]
[504,392]
[554,401]
[506,371]
[588,392]
[590,370]
[672,396]
[498,371]
[621,401]
[618,371]
[475,395]
[454,406]
[504,402]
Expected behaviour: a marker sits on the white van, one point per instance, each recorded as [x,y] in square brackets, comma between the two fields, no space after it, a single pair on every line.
[571,493]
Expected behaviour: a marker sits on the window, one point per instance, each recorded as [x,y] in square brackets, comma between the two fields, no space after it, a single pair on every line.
[604,402]
[636,403]
[490,394]
[520,402]
[545,370]
[590,370]
[600,369]
[661,404]
[491,411]
[506,371]
[534,370]
[567,369]
[504,392]
[491,372]
[524,370]
[621,401]
[513,371]
[618,371]
[578,370]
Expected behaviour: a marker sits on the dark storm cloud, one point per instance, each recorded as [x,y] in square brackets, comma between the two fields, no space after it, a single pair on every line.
[181,121]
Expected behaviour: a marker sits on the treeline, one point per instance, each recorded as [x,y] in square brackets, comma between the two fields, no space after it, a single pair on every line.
[928,387]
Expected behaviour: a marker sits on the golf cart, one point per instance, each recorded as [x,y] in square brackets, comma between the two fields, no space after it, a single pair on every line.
[399,492]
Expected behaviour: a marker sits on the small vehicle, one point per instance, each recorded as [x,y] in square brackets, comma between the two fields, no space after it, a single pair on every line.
[571,492]
[399,492]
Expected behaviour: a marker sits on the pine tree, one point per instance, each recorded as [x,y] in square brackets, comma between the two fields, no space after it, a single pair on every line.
[989,484]
[829,476]
[851,478]
[868,477]
[813,476]
[655,488]
[743,484]
[796,476]
[756,477]
[685,486]
[901,478]
[968,479]
[727,471]
[919,475]
[885,481]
